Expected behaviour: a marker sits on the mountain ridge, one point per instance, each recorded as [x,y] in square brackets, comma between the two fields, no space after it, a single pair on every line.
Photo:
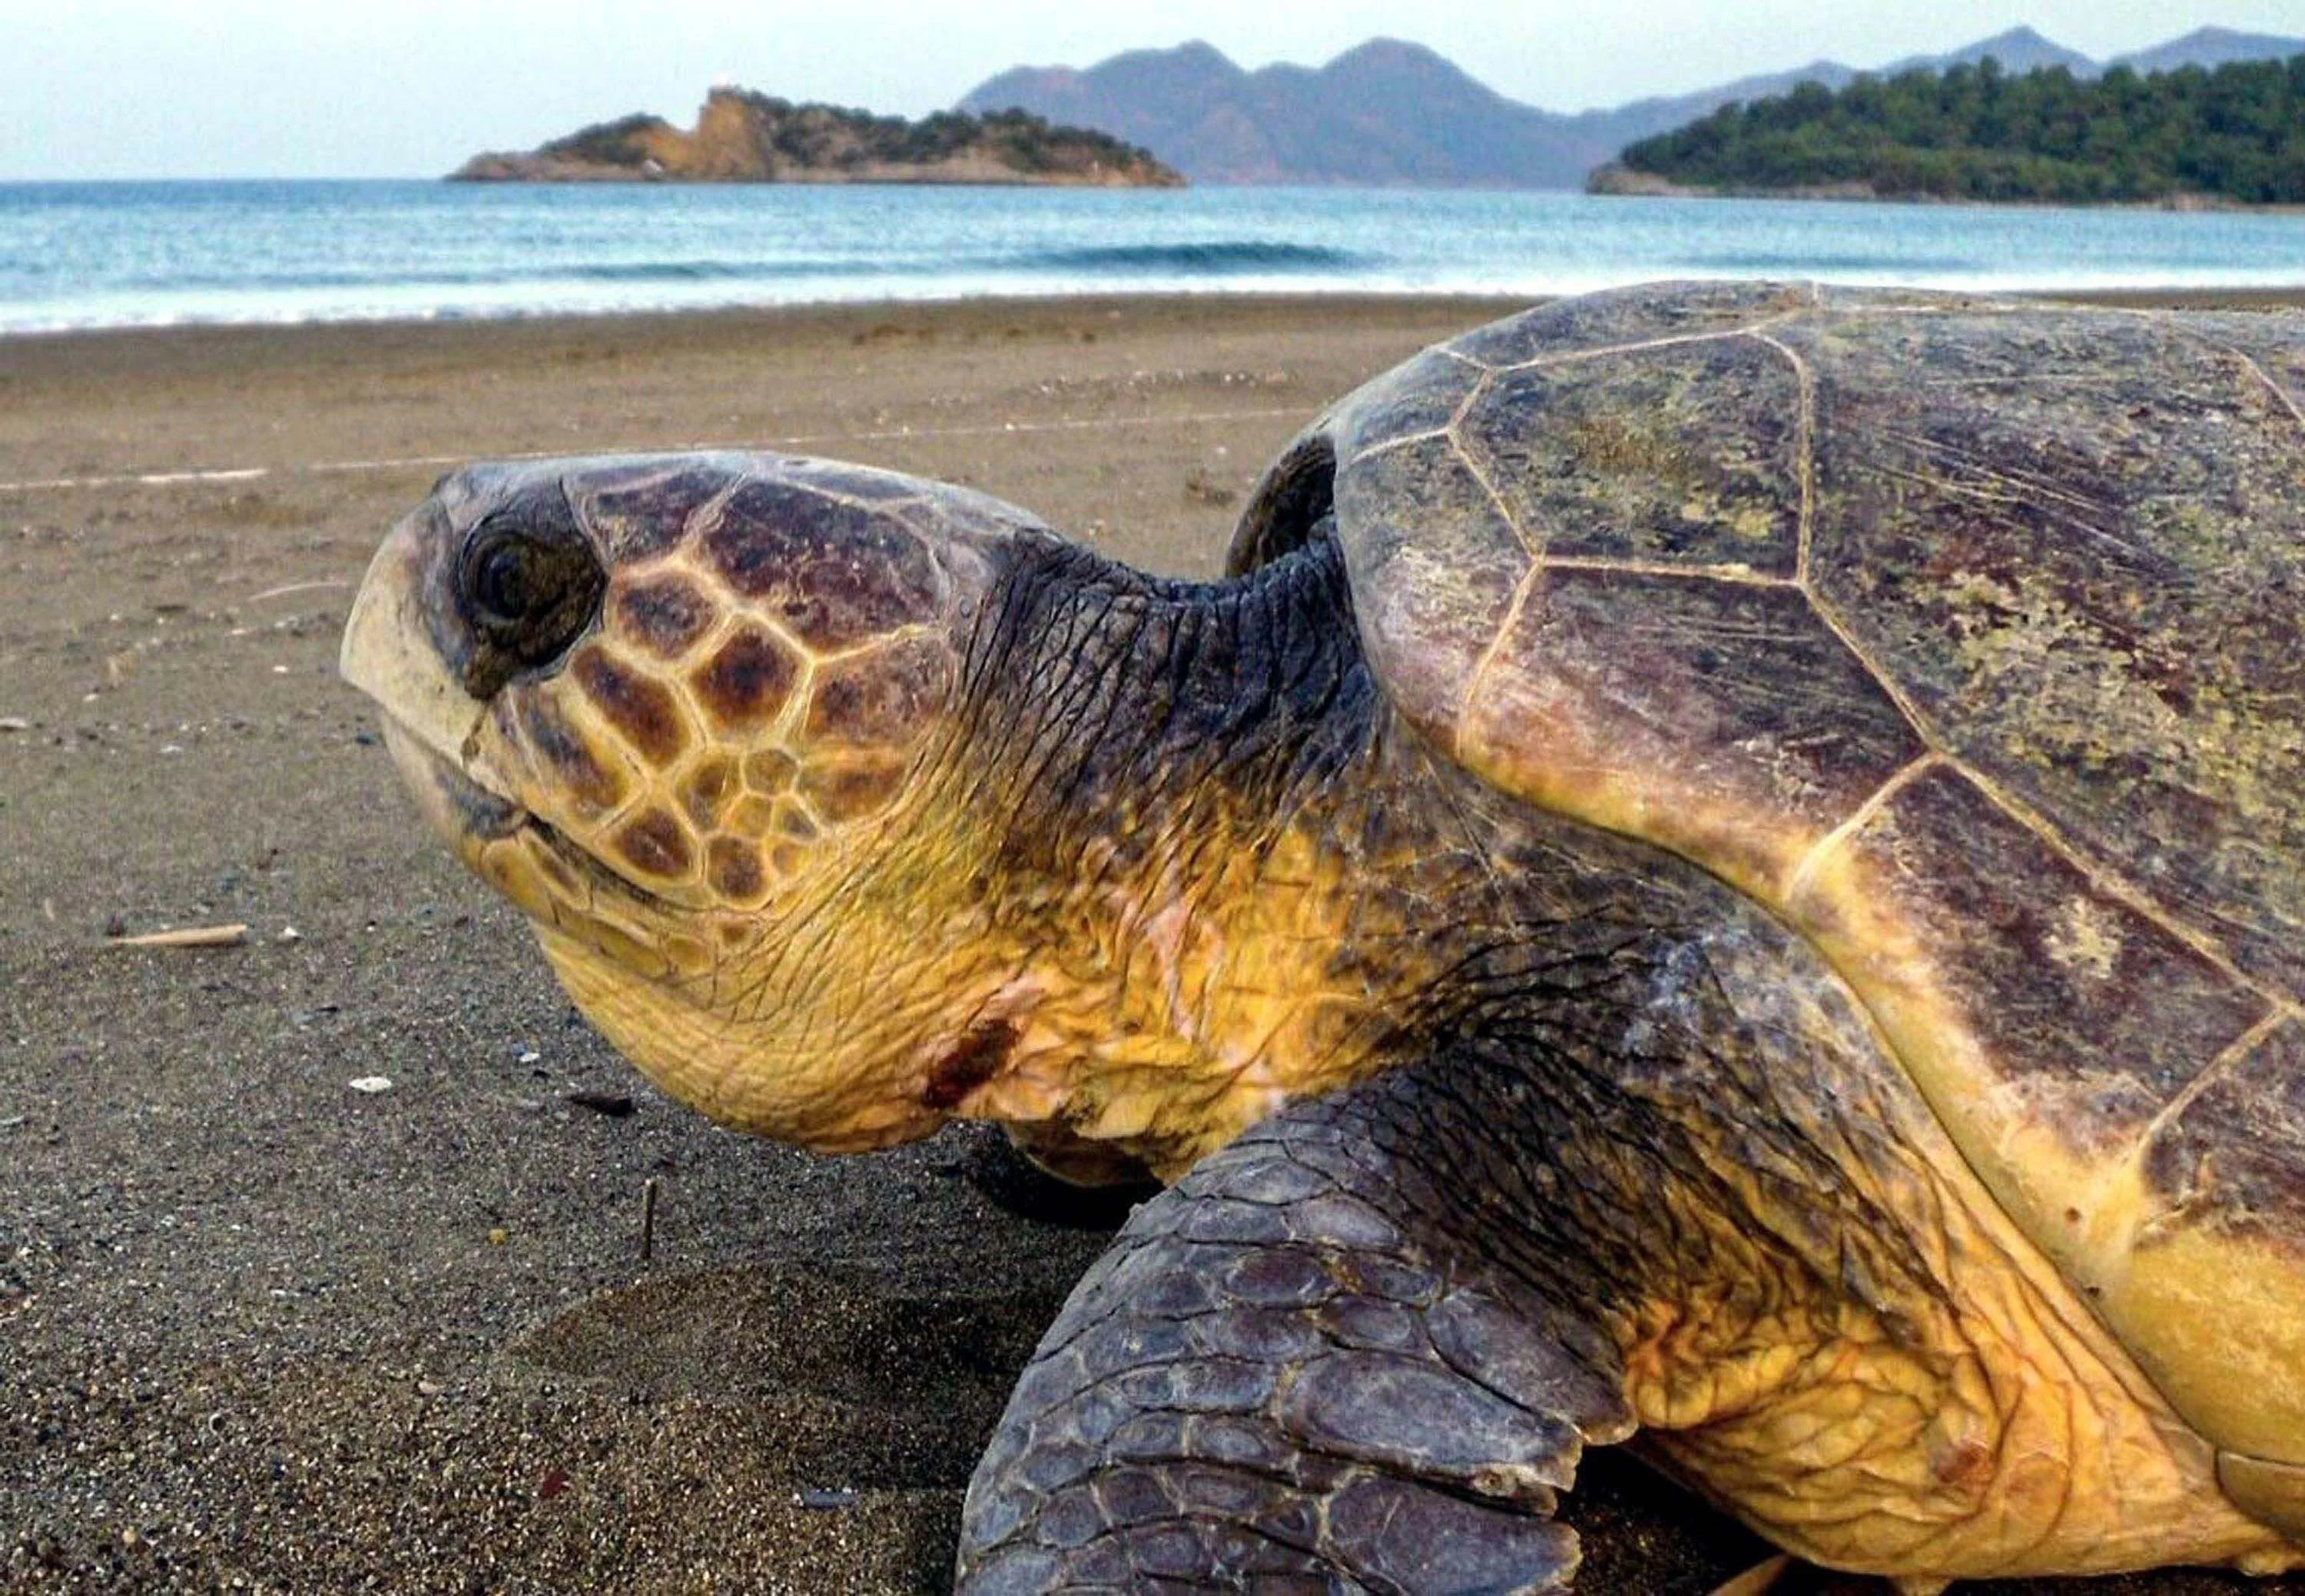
[1390,112]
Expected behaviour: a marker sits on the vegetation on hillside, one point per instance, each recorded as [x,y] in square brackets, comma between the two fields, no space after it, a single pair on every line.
[2235,133]
[811,136]
[743,136]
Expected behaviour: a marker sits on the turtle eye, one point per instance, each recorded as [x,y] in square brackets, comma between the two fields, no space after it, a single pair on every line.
[505,586]
[529,587]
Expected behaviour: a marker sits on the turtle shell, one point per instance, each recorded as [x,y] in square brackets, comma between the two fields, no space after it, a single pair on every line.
[1964,635]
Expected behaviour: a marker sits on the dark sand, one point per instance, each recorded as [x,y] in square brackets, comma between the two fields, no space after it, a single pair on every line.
[261,1331]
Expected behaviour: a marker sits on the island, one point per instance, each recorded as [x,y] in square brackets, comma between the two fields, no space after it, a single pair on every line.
[746,137]
[2232,136]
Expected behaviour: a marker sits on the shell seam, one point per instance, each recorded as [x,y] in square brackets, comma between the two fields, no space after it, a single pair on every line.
[1569,357]
[1804,449]
[1529,549]
[1905,776]
[2118,888]
[2256,1037]
[1743,575]
[1488,658]
[2288,399]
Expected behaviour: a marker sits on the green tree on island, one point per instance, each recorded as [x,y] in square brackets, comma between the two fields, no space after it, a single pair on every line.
[2236,133]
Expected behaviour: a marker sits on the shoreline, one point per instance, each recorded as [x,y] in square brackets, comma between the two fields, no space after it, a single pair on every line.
[825,312]
[1341,301]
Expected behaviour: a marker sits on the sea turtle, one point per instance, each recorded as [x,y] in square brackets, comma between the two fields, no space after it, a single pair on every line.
[1726,872]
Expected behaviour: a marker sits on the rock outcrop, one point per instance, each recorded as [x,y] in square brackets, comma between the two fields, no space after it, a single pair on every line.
[743,137]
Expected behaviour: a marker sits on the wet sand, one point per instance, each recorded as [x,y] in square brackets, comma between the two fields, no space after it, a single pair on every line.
[260,1330]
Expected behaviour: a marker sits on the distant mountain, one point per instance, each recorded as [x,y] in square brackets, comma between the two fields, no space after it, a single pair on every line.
[2019,50]
[1386,112]
[2210,46]
[743,137]
[1391,112]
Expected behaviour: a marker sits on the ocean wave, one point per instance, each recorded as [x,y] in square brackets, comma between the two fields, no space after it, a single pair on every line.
[517,272]
[1222,258]
[1907,263]
[1227,255]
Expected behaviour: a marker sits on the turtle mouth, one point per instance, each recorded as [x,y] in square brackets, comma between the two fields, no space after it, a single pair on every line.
[474,818]
[462,810]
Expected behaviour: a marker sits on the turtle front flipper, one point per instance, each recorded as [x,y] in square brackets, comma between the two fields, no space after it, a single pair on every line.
[1284,1371]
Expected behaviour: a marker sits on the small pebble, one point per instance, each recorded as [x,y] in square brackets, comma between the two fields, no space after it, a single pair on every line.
[290,933]
[499,1236]
[528,1055]
[827,1500]
[615,1104]
[429,1387]
[15,723]
[371,1085]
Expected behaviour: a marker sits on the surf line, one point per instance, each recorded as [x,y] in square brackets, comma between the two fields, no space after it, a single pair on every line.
[244,473]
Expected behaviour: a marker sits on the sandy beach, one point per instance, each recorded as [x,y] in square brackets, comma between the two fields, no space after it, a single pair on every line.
[261,1330]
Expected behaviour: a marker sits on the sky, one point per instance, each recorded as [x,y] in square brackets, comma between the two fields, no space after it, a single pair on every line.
[124,88]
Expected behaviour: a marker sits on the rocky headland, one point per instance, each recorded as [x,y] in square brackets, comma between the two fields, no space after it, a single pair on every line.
[741,136]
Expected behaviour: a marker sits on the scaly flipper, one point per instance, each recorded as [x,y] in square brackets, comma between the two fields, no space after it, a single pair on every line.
[1284,1375]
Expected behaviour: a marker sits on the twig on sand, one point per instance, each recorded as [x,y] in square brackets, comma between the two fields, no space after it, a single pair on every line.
[189,936]
[283,591]
[648,1218]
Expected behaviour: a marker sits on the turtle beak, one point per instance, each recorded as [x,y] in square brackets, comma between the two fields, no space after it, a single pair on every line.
[391,651]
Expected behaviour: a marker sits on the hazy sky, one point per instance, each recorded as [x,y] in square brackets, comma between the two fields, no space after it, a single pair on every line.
[392,87]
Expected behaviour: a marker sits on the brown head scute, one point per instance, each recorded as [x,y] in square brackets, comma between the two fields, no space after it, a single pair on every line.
[734,869]
[711,787]
[975,1059]
[837,574]
[647,506]
[882,699]
[852,790]
[657,844]
[770,770]
[561,754]
[638,706]
[664,613]
[747,681]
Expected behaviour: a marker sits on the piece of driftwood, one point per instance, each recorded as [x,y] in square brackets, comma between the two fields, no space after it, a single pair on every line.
[188,936]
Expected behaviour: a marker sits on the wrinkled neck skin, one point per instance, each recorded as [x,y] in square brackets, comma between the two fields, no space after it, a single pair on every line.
[1217,855]
[1172,865]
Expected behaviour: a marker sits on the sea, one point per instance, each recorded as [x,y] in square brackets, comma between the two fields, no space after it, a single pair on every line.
[126,254]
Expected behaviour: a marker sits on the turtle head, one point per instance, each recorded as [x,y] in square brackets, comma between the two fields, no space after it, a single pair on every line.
[671,707]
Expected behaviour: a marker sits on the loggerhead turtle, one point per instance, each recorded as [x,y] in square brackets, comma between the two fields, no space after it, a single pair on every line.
[1725,873]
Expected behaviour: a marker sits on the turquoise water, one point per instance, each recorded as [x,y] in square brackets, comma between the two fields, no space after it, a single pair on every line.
[123,255]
